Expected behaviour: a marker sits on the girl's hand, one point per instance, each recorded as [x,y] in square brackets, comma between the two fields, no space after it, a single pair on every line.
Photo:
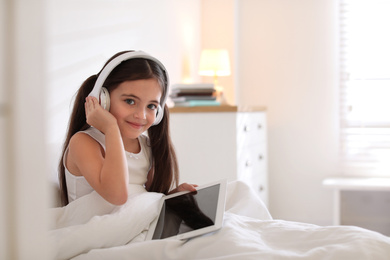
[97,116]
[184,187]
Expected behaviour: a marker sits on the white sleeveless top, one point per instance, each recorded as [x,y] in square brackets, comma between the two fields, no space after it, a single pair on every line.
[138,167]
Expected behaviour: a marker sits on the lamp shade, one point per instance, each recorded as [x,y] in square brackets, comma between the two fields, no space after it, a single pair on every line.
[214,62]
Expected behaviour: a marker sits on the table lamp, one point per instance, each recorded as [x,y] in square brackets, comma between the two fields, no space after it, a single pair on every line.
[215,62]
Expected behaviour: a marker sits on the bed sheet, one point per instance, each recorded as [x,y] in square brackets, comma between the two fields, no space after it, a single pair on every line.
[103,231]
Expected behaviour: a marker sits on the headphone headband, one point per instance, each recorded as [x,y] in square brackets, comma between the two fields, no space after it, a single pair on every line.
[118,60]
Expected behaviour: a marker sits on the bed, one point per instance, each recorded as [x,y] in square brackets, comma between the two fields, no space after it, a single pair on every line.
[90,228]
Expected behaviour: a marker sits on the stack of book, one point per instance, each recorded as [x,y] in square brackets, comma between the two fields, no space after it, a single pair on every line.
[190,95]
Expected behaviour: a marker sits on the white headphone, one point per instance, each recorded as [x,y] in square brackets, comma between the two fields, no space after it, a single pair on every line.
[102,93]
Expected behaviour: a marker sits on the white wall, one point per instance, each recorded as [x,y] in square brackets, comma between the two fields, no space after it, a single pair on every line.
[287,62]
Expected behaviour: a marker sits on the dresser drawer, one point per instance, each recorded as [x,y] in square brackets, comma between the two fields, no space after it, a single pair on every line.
[254,159]
[251,128]
[252,169]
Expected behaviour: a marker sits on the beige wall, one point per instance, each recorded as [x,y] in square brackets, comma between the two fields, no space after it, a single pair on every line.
[218,27]
[288,63]
[285,59]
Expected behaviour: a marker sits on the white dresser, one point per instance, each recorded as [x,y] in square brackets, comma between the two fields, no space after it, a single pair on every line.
[214,143]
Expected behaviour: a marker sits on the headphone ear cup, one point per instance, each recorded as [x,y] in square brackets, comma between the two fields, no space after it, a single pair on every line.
[159,115]
[105,99]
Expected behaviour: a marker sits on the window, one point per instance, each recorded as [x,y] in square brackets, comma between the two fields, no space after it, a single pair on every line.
[365,87]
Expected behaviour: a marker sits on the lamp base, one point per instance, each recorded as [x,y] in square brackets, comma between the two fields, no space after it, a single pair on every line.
[220,95]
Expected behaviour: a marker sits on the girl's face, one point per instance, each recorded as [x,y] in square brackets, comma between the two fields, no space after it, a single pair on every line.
[134,105]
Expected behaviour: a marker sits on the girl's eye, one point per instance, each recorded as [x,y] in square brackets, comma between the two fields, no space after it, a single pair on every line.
[129,101]
[152,106]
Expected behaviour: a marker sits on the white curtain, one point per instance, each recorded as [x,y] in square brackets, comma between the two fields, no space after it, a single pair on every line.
[365,87]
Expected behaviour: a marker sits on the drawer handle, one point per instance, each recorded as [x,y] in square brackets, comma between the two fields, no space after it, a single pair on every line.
[261,157]
[261,188]
[259,126]
[247,128]
[248,163]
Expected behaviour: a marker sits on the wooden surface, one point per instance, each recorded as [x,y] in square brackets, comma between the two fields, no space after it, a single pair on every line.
[206,109]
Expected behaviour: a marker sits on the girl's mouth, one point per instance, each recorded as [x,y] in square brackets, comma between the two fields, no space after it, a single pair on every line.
[135,125]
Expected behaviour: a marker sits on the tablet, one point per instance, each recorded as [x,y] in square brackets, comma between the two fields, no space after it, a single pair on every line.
[184,215]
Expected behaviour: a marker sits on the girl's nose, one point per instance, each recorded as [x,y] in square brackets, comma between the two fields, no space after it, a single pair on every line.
[140,113]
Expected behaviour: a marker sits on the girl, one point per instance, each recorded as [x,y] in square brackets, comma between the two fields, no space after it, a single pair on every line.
[105,149]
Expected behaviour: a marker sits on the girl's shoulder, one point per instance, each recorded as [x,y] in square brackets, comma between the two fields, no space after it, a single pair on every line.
[94,134]
[81,139]
[90,137]
[82,148]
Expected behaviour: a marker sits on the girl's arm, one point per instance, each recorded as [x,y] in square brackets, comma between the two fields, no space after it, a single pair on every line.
[105,172]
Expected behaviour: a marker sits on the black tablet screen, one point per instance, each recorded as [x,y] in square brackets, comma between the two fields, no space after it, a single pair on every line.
[187,212]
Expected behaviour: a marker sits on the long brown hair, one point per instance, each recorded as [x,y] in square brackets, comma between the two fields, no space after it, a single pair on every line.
[166,174]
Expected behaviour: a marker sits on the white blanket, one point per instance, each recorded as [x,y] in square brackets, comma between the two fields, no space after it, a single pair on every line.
[90,228]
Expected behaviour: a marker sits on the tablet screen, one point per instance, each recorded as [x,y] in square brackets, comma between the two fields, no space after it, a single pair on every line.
[187,212]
